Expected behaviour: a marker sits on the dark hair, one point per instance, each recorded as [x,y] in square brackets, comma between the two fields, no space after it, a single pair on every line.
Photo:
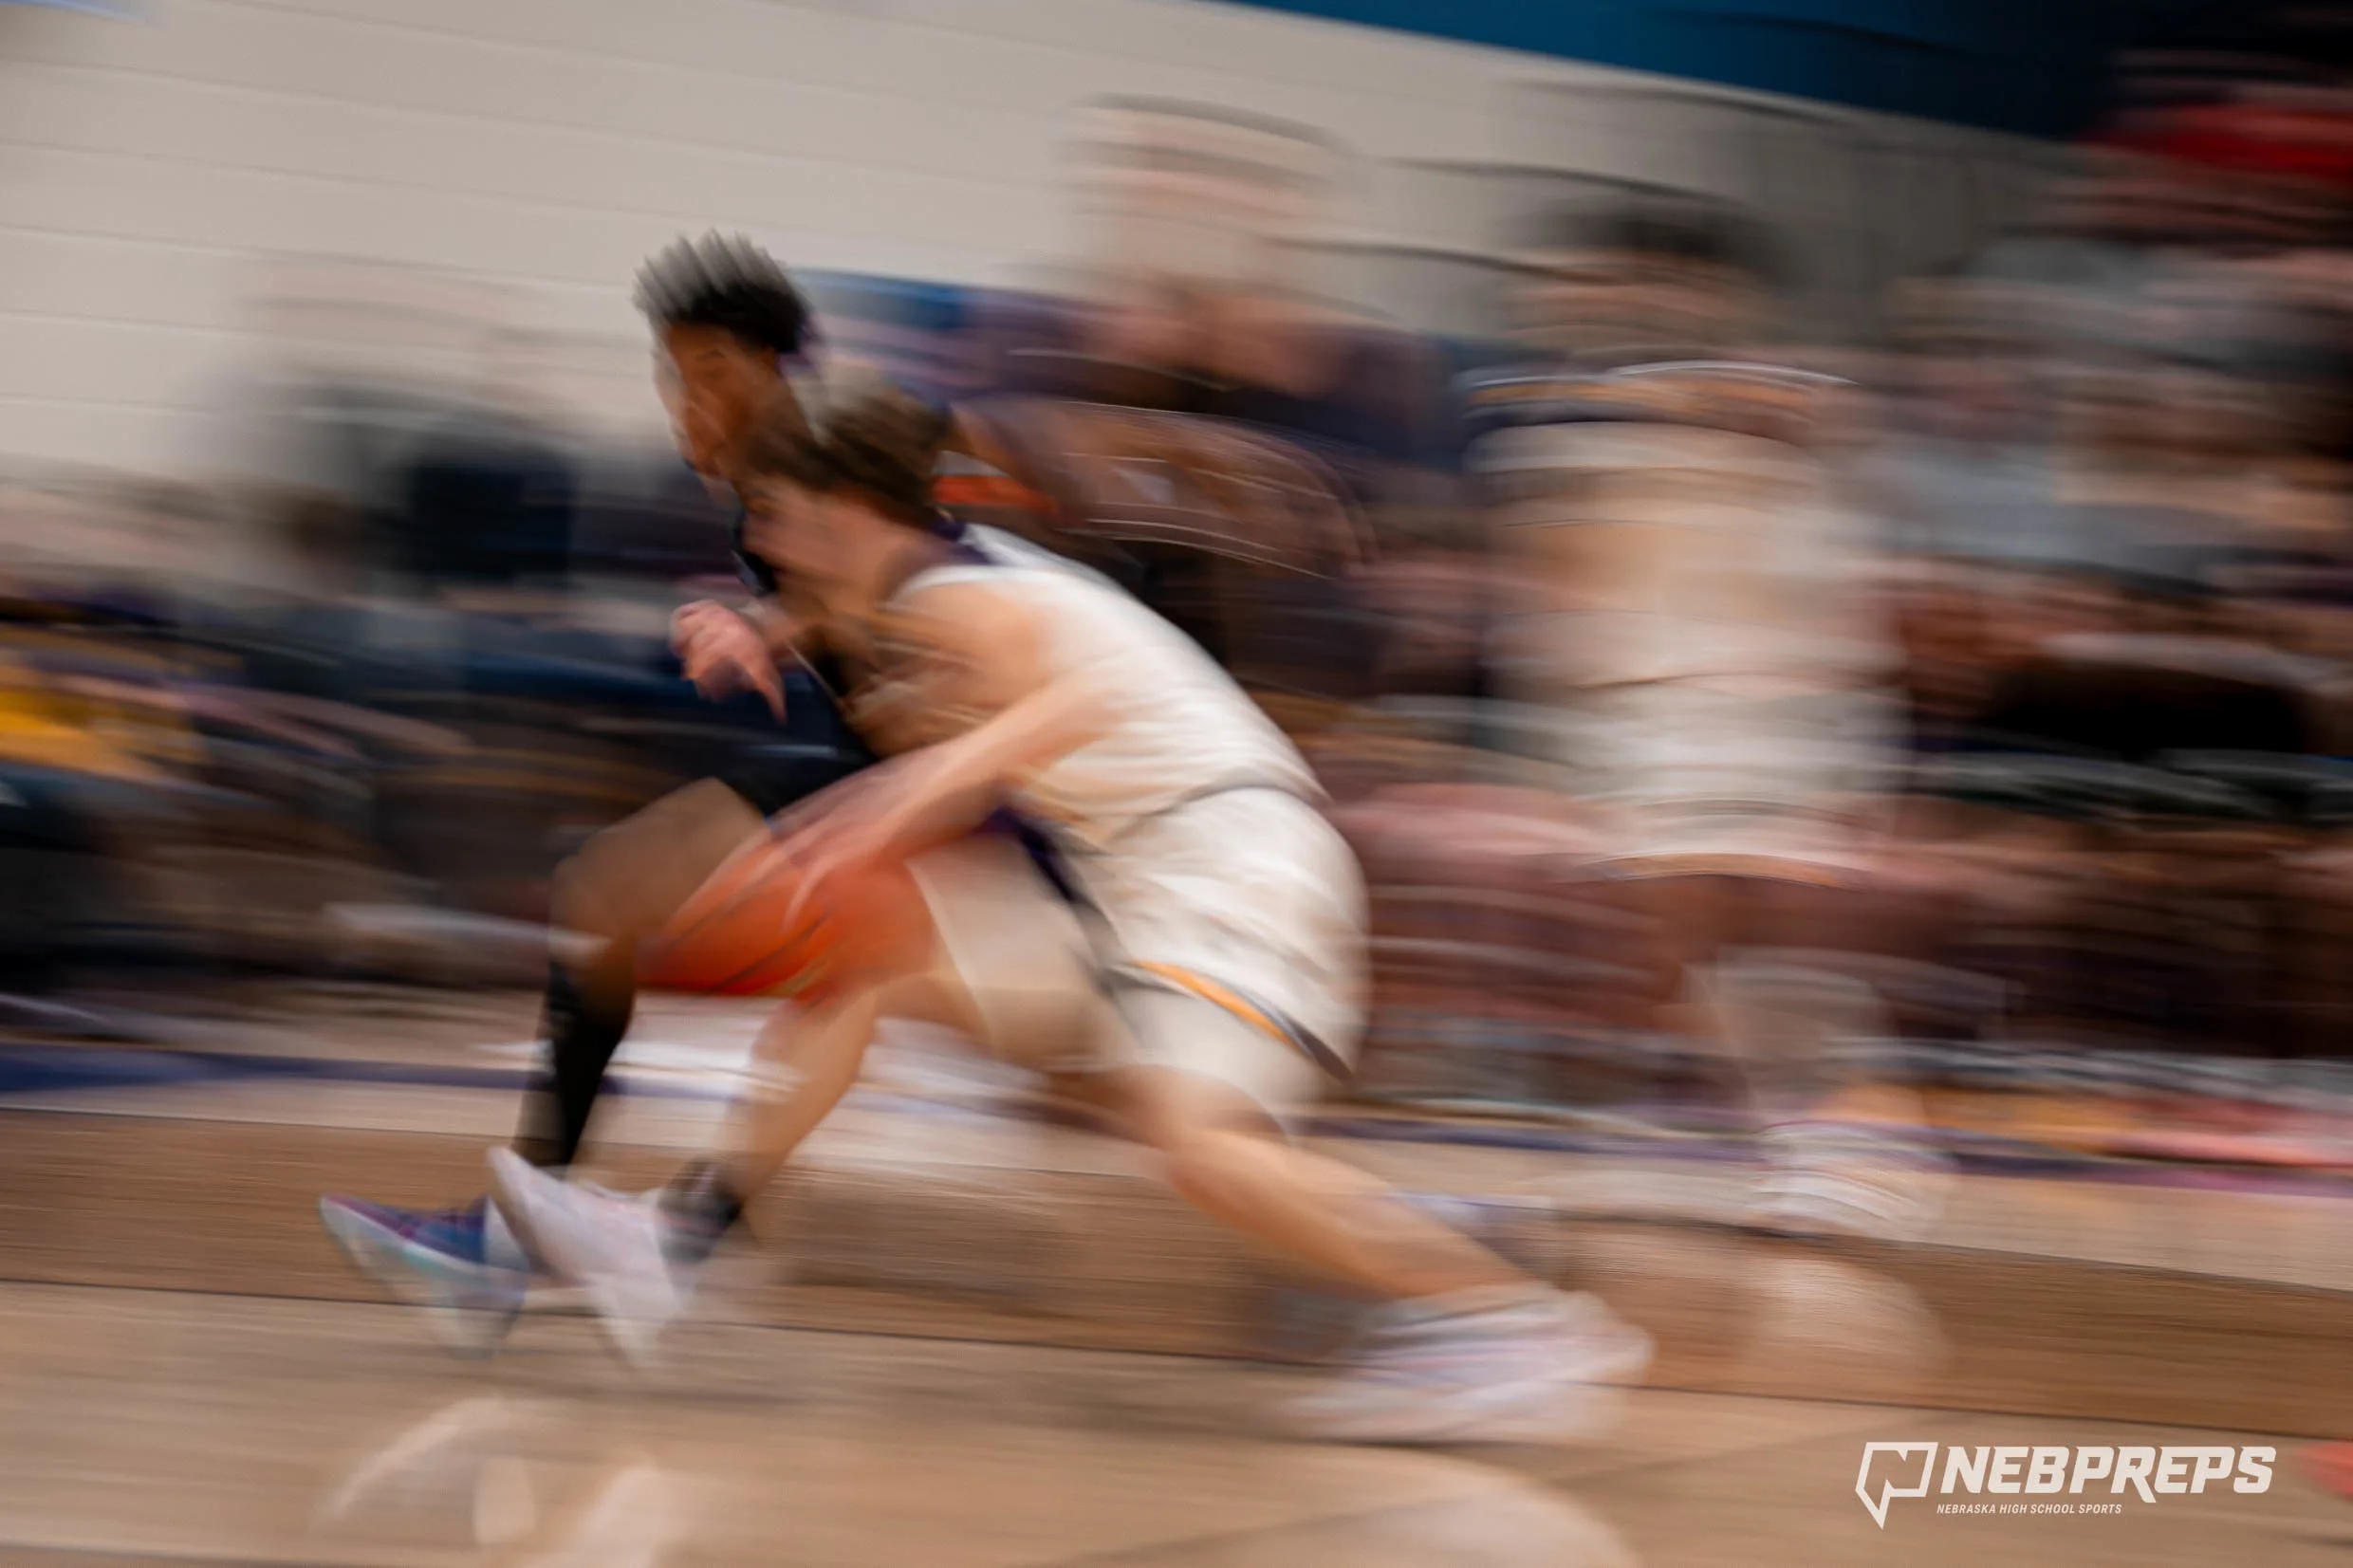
[1669,226]
[864,433]
[728,283]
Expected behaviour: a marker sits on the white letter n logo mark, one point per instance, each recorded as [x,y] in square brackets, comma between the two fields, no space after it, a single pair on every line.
[1889,1488]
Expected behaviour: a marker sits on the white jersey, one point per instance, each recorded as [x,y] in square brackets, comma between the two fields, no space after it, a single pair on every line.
[1190,834]
[1714,671]
[1185,731]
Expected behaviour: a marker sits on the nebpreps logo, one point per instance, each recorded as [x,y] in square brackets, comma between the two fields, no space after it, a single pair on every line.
[1906,1469]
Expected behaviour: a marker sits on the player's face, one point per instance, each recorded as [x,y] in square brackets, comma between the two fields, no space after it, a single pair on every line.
[715,385]
[798,531]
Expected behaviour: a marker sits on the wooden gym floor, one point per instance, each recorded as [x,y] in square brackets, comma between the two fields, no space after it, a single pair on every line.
[975,1339]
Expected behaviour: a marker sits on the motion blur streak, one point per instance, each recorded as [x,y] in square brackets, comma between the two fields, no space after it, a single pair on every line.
[1825,623]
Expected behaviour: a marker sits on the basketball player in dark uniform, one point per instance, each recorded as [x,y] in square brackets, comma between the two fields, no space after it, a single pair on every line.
[728,324]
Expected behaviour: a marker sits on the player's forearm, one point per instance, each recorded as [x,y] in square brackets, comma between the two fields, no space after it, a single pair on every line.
[960,782]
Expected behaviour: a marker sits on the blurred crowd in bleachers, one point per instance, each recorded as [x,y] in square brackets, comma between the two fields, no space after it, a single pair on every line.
[2019,628]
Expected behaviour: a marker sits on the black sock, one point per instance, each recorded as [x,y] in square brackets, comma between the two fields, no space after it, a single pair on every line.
[585,1023]
[702,1208]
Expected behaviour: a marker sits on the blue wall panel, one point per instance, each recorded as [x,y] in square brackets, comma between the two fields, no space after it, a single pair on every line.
[2017,65]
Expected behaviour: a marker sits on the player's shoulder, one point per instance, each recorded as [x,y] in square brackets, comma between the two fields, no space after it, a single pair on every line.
[963,603]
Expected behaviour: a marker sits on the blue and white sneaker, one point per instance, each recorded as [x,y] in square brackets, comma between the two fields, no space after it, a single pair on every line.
[1509,1366]
[463,1266]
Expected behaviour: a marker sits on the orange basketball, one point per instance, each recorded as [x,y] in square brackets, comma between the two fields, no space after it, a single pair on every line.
[740,934]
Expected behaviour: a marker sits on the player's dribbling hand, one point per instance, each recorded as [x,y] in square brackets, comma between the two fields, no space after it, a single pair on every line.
[723,654]
[844,828]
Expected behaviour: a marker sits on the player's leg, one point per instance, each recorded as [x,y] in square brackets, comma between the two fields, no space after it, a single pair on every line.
[1768,982]
[1246,976]
[1221,1149]
[623,885]
[1465,1347]
[1035,992]
[808,1061]
[619,888]
[626,882]
[1006,967]
[637,1260]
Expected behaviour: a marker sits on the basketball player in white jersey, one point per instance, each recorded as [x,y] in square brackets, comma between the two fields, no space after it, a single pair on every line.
[1668,497]
[1206,976]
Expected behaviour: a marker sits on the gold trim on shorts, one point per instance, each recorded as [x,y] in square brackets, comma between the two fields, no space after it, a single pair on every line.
[1268,1021]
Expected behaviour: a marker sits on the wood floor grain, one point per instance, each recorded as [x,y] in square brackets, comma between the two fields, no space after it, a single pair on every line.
[1097,1258]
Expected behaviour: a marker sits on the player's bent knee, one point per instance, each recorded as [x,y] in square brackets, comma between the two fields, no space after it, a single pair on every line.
[596,875]
[574,887]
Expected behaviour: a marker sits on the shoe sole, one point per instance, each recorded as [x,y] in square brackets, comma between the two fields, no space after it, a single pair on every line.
[1809,1209]
[1569,1413]
[409,1271]
[1575,1410]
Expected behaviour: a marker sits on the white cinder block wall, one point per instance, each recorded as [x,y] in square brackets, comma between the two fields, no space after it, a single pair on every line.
[150,169]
